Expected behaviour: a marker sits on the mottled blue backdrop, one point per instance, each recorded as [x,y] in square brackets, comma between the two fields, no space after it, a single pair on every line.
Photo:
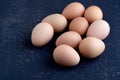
[20,60]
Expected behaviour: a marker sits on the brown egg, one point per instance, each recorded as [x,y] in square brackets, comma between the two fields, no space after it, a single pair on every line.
[70,38]
[91,47]
[65,55]
[99,29]
[73,10]
[58,21]
[79,24]
[93,13]
[42,33]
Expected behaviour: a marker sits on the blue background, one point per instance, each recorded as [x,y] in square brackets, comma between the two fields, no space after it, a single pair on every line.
[20,60]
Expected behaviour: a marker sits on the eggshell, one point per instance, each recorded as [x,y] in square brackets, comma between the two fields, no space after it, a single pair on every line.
[58,21]
[99,29]
[65,55]
[70,38]
[42,34]
[73,10]
[93,13]
[79,24]
[91,47]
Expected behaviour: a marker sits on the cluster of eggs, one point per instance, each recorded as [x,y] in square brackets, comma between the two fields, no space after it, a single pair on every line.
[84,22]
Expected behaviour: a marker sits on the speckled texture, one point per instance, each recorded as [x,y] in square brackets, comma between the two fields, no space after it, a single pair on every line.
[20,60]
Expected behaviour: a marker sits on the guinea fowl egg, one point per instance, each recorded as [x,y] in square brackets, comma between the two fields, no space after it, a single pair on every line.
[73,10]
[42,33]
[65,55]
[99,29]
[79,24]
[58,21]
[93,13]
[70,38]
[91,47]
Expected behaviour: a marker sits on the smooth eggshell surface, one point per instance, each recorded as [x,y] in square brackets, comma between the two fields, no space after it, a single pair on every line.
[65,55]
[42,34]
[91,47]
[73,10]
[99,29]
[80,25]
[93,13]
[58,21]
[70,38]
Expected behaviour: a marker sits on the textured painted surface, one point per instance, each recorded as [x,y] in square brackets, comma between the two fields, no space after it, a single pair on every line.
[20,60]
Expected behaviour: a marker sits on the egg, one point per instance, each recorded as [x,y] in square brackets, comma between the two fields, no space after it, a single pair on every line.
[79,24]
[42,33]
[70,38]
[58,21]
[91,47]
[93,13]
[99,29]
[65,55]
[73,10]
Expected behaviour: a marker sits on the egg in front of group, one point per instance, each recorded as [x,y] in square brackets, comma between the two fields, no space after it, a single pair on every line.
[65,55]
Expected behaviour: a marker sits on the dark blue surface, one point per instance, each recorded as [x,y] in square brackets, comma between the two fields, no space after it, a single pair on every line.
[20,60]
